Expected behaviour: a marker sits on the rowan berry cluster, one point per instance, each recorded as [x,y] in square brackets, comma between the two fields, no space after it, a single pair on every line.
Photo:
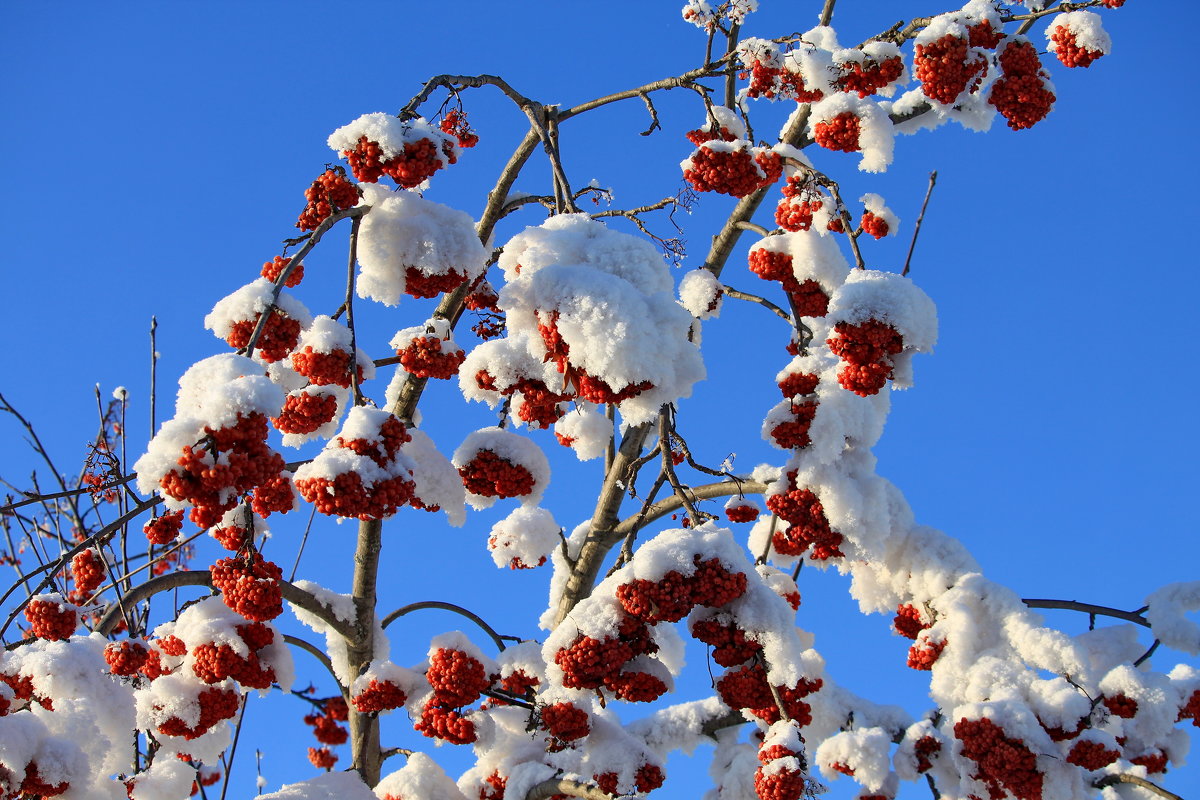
[747,688]
[1121,705]
[230,462]
[305,411]
[278,337]
[1091,755]
[809,527]
[587,387]
[379,696]
[431,357]
[326,728]
[807,297]
[330,193]
[926,749]
[869,76]
[87,571]
[792,434]
[741,510]
[925,652]
[840,133]
[216,704]
[325,369]
[730,645]
[866,351]
[801,200]
[34,787]
[1004,764]
[416,163]
[876,227]
[946,68]
[51,617]
[458,679]
[647,778]
[418,283]
[1021,94]
[271,270]
[908,621]
[249,585]
[322,757]
[735,168]
[455,124]
[213,663]
[1069,51]
[777,81]
[489,475]
[565,722]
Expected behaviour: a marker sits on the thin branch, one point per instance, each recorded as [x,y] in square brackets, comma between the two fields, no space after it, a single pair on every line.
[827,12]
[556,786]
[32,498]
[671,504]
[1134,780]
[750,226]
[1088,608]
[411,607]
[762,301]
[314,651]
[654,124]
[917,228]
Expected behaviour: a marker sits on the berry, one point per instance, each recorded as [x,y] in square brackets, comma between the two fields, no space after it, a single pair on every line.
[490,475]
[165,529]
[667,600]
[457,677]
[249,586]
[587,661]
[1004,764]
[730,645]
[215,663]
[715,586]
[322,757]
[781,784]
[51,619]
[873,225]
[908,622]
[455,124]
[125,658]
[215,705]
[278,338]
[1121,706]
[1068,51]
[1020,94]
[1091,755]
[636,687]
[424,358]
[925,749]
[943,69]
[1154,762]
[793,434]
[422,284]
[35,788]
[1191,709]
[379,696]
[88,571]
[867,78]
[325,369]
[982,34]
[741,513]
[326,729]
[276,494]
[771,265]
[797,384]
[271,270]
[328,194]
[923,654]
[566,722]
[839,133]
[738,170]
[809,526]
[440,722]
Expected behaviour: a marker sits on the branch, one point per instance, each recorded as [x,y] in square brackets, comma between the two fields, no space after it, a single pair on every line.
[488,629]
[1111,780]
[456,83]
[762,301]
[31,497]
[920,217]
[1088,608]
[314,651]
[555,786]
[672,503]
[827,12]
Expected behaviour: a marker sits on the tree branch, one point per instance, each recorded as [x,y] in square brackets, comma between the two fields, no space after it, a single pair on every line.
[1134,780]
[555,786]
[1088,608]
[917,228]
[411,607]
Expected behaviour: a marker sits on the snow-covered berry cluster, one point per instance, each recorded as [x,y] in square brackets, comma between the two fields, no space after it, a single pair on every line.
[735,168]
[1004,764]
[407,151]
[458,674]
[330,193]
[945,63]
[1022,94]
[51,617]
[1077,38]
[429,351]
[865,350]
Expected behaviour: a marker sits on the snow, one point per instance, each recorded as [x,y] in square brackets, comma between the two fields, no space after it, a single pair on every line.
[330,786]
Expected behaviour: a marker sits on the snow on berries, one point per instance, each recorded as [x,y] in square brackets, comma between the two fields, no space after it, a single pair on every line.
[420,777]
[804,206]
[495,464]
[1004,764]
[410,245]
[877,220]
[1023,93]
[221,644]
[742,509]
[864,753]
[880,320]
[736,168]
[599,305]
[51,617]
[330,193]
[702,14]
[945,62]
[800,73]
[429,351]
[849,124]
[384,686]
[220,427]
[322,355]
[1077,38]
[361,472]
[309,413]
[235,316]
[700,292]
[585,430]
[407,151]
[810,268]
[875,68]
[524,538]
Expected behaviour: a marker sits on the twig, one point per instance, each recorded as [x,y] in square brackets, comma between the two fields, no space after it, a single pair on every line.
[917,228]
[1112,780]
[411,607]
[314,651]
[237,734]
[827,12]
[654,124]
[1071,605]
[556,786]
[762,301]
[750,226]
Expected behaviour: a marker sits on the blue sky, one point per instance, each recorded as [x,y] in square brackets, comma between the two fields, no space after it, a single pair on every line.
[157,153]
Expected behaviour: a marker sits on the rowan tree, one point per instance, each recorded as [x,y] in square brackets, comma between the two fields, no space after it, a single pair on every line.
[165,589]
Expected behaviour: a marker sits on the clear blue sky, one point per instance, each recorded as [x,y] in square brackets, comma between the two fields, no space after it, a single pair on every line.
[156,154]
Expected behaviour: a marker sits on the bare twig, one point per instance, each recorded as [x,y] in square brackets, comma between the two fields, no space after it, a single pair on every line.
[1088,608]
[827,12]
[762,301]
[917,228]
[1134,780]
[488,629]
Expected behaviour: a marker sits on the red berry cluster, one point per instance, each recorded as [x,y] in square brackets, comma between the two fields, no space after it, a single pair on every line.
[730,645]
[322,757]
[944,69]
[325,724]
[1155,762]
[409,168]
[325,369]
[51,619]
[438,722]
[866,352]
[34,787]
[164,529]
[809,527]
[924,653]
[330,192]
[737,172]
[780,784]
[982,34]
[1091,755]
[1004,764]
[88,571]
[126,658]
[228,463]
[796,384]
[741,513]
[458,679]
[1120,705]
[231,537]
[908,621]
[586,662]
[839,133]
[868,77]
[647,778]
[482,297]
[214,663]
[1020,94]
[249,585]
[707,134]
[304,412]
[271,270]
[769,82]
[423,357]
[277,494]
[278,338]
[873,225]
[431,284]
[807,297]
[587,387]
[801,199]
[792,434]
[216,704]
[635,686]
[1112,3]
[455,124]
[565,722]
[925,749]
[347,496]
[379,696]
[1191,709]
[1068,51]
[490,475]
[747,688]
